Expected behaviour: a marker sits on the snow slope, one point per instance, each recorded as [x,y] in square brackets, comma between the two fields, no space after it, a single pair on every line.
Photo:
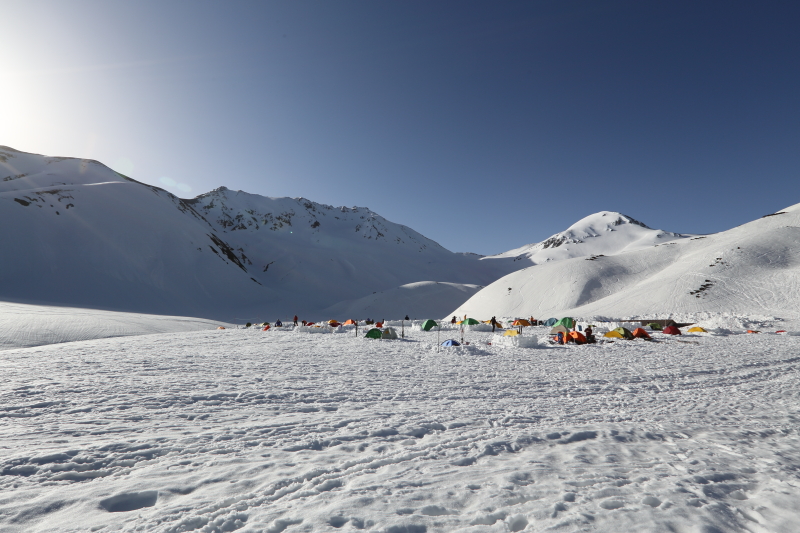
[753,269]
[603,233]
[24,325]
[240,430]
[320,253]
[82,235]
[424,299]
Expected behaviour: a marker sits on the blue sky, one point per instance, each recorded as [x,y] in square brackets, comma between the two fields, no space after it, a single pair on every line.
[483,125]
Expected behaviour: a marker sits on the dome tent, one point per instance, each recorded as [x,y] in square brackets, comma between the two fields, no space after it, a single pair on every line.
[429,324]
[374,333]
[451,342]
[389,333]
[567,322]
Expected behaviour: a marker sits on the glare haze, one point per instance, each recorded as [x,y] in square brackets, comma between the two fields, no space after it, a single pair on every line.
[484,127]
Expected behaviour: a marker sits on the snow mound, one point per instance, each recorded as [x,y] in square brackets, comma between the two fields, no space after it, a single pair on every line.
[518,341]
[25,325]
[415,300]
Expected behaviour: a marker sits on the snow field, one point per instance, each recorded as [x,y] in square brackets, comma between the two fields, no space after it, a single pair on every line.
[275,431]
[24,325]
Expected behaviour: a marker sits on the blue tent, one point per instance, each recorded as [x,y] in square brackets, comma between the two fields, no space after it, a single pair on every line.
[451,342]
[550,322]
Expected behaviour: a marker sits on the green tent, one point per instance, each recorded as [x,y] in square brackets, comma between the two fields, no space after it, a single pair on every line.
[428,324]
[625,333]
[374,333]
[469,322]
[567,322]
[654,326]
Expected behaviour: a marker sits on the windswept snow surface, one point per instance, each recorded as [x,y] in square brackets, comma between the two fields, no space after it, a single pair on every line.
[417,300]
[753,269]
[279,431]
[24,325]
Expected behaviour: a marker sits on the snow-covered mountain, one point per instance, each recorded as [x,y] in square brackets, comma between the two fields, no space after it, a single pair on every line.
[79,234]
[603,233]
[753,269]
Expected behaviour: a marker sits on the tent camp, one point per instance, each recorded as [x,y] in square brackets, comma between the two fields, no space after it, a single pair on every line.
[511,333]
[428,324]
[639,333]
[521,322]
[469,322]
[613,334]
[558,329]
[333,323]
[671,330]
[567,322]
[550,322]
[655,326]
[696,329]
[577,337]
[389,333]
[374,333]
[451,342]
[350,323]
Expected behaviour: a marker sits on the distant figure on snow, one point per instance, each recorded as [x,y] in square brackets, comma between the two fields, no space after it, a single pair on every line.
[407,318]
[278,324]
[494,323]
[295,320]
[304,322]
[590,339]
[453,321]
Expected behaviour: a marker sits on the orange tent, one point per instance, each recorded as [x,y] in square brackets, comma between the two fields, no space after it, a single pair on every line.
[577,337]
[640,333]
[349,323]
[521,322]
[221,327]
[753,331]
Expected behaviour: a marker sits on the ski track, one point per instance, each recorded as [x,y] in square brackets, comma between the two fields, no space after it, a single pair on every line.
[280,431]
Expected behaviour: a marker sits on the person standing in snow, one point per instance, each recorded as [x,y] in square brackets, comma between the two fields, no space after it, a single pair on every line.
[295,320]
[589,337]
[494,323]
[407,318]
[453,321]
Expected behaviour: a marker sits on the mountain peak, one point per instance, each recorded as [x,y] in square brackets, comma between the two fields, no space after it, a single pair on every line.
[604,232]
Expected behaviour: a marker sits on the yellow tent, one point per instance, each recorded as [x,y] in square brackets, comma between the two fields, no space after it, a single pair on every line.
[511,333]
[697,329]
[521,322]
[614,334]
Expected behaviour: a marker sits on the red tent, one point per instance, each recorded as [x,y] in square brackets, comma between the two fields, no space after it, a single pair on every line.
[642,334]
[266,328]
[577,337]
[671,330]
